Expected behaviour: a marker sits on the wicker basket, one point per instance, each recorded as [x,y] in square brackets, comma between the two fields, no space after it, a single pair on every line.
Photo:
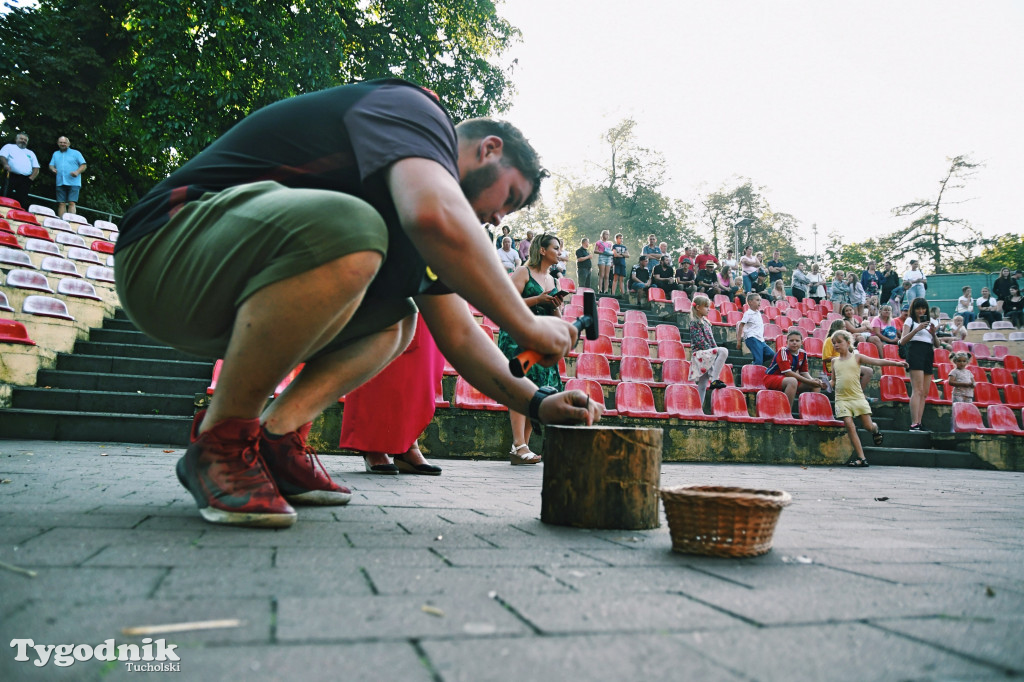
[722,521]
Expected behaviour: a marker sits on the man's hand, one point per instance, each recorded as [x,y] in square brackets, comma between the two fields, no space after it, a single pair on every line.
[570,407]
[552,337]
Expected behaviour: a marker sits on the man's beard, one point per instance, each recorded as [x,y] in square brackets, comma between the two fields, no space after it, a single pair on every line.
[476,181]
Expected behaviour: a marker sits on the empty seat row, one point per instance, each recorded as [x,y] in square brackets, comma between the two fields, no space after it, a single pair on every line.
[1001,420]
[57,265]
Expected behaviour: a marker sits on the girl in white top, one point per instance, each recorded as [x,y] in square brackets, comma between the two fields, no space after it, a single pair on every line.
[965,306]
[919,335]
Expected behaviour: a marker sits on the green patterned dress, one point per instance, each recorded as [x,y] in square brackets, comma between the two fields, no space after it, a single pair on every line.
[542,376]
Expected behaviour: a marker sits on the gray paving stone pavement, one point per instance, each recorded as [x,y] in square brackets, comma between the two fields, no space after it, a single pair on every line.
[455,578]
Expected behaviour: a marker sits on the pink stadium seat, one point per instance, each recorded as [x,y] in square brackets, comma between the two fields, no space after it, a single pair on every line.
[57,224]
[289,378]
[59,266]
[601,345]
[891,351]
[730,404]
[636,348]
[666,332]
[675,371]
[14,332]
[806,325]
[46,306]
[1013,396]
[100,273]
[967,419]
[35,231]
[608,302]
[958,346]
[941,355]
[9,240]
[715,318]
[5,226]
[655,294]
[981,351]
[752,378]
[14,257]
[77,288]
[68,239]
[815,407]
[41,246]
[683,402]
[785,322]
[39,210]
[785,304]
[986,394]
[681,305]
[813,346]
[1002,420]
[771,312]
[933,397]
[893,389]
[564,283]
[867,349]
[608,315]
[216,376]
[594,366]
[727,376]
[775,407]
[1001,376]
[899,372]
[22,216]
[84,255]
[105,225]
[671,350]
[637,369]
[827,306]
[90,231]
[1000,351]
[606,328]
[9,203]
[821,333]
[468,398]
[636,400]
[1013,363]
[719,299]
[733,317]
[679,295]
[102,247]
[592,389]
[636,316]
[5,305]
[27,279]
[577,299]
[815,317]
[726,307]
[772,330]
[634,330]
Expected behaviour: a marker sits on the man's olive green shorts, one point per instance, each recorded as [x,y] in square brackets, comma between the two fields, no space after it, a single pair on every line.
[183,284]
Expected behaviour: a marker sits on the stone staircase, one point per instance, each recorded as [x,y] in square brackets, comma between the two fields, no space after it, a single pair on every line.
[119,386]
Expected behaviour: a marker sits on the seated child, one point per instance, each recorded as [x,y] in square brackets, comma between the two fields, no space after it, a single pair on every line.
[789,371]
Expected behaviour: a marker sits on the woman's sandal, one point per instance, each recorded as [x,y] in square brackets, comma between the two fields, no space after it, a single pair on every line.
[855,461]
[405,467]
[517,456]
[877,437]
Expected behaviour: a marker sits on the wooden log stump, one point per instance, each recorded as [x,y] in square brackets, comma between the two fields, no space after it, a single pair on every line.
[601,477]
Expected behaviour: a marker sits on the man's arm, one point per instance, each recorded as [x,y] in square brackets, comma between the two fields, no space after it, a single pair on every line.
[442,225]
[79,171]
[480,362]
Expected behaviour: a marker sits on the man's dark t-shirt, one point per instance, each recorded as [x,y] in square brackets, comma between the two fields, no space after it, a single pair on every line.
[772,276]
[642,273]
[341,139]
[665,271]
[582,253]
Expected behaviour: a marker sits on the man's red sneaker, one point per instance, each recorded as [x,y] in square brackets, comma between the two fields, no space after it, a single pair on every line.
[297,470]
[223,470]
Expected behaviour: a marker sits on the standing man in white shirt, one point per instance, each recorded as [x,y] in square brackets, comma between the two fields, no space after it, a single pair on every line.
[918,281]
[21,166]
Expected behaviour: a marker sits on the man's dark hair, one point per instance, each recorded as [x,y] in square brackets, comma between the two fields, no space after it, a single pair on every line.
[516,149]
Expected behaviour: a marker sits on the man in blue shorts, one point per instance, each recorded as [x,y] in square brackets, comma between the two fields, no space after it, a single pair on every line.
[68,165]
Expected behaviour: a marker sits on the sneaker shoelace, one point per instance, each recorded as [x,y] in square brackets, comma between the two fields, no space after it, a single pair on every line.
[247,472]
[314,462]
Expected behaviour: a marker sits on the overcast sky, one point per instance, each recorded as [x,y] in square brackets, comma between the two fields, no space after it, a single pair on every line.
[843,110]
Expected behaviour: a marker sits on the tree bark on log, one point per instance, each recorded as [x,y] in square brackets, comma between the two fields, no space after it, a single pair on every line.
[601,477]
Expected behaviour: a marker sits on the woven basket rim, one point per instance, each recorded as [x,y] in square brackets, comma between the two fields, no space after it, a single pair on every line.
[707,492]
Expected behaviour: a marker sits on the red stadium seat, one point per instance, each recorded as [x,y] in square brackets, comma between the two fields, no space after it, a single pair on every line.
[1000,351]
[566,284]
[594,366]
[1001,376]
[806,325]
[289,378]
[606,328]
[942,370]
[1013,396]
[27,279]
[981,351]
[1013,363]
[891,351]
[675,371]
[35,231]
[960,346]
[821,333]
[46,306]
[681,305]
[775,407]
[5,226]
[636,400]
[10,203]
[730,404]
[679,294]
[683,402]
[9,240]
[609,302]
[637,369]
[102,247]
[439,401]
[719,299]
[715,318]
[655,294]
[727,376]
[733,317]
[815,317]
[967,419]
[893,389]
[601,345]
[772,330]
[726,307]
[666,332]
[634,330]
[815,407]
[636,348]
[752,378]
[468,398]
[867,349]
[941,355]
[592,389]
[895,371]
[813,346]
[671,350]
[979,373]
[1002,420]
[986,394]
[215,377]
[22,216]
[933,397]
[608,315]
[14,332]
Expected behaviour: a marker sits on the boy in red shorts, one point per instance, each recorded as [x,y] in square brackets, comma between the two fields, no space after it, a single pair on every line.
[789,371]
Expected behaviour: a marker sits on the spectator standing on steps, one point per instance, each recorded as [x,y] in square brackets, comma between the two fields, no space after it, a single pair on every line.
[21,166]
[918,282]
[68,165]
[584,263]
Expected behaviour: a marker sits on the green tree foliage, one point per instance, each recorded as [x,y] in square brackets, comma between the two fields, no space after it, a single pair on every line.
[947,241]
[142,86]
[767,230]
[1006,251]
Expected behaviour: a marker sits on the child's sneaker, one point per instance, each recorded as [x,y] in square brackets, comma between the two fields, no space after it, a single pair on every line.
[297,470]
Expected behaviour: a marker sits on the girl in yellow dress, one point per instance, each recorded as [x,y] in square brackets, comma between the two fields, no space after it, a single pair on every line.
[850,400]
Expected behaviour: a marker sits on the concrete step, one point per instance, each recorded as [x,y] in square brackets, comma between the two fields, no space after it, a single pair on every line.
[129,336]
[919,440]
[917,457]
[122,383]
[67,400]
[104,364]
[129,350]
[120,324]
[98,427]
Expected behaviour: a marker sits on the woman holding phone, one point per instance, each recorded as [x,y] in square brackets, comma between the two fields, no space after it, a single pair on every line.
[542,296]
[920,336]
